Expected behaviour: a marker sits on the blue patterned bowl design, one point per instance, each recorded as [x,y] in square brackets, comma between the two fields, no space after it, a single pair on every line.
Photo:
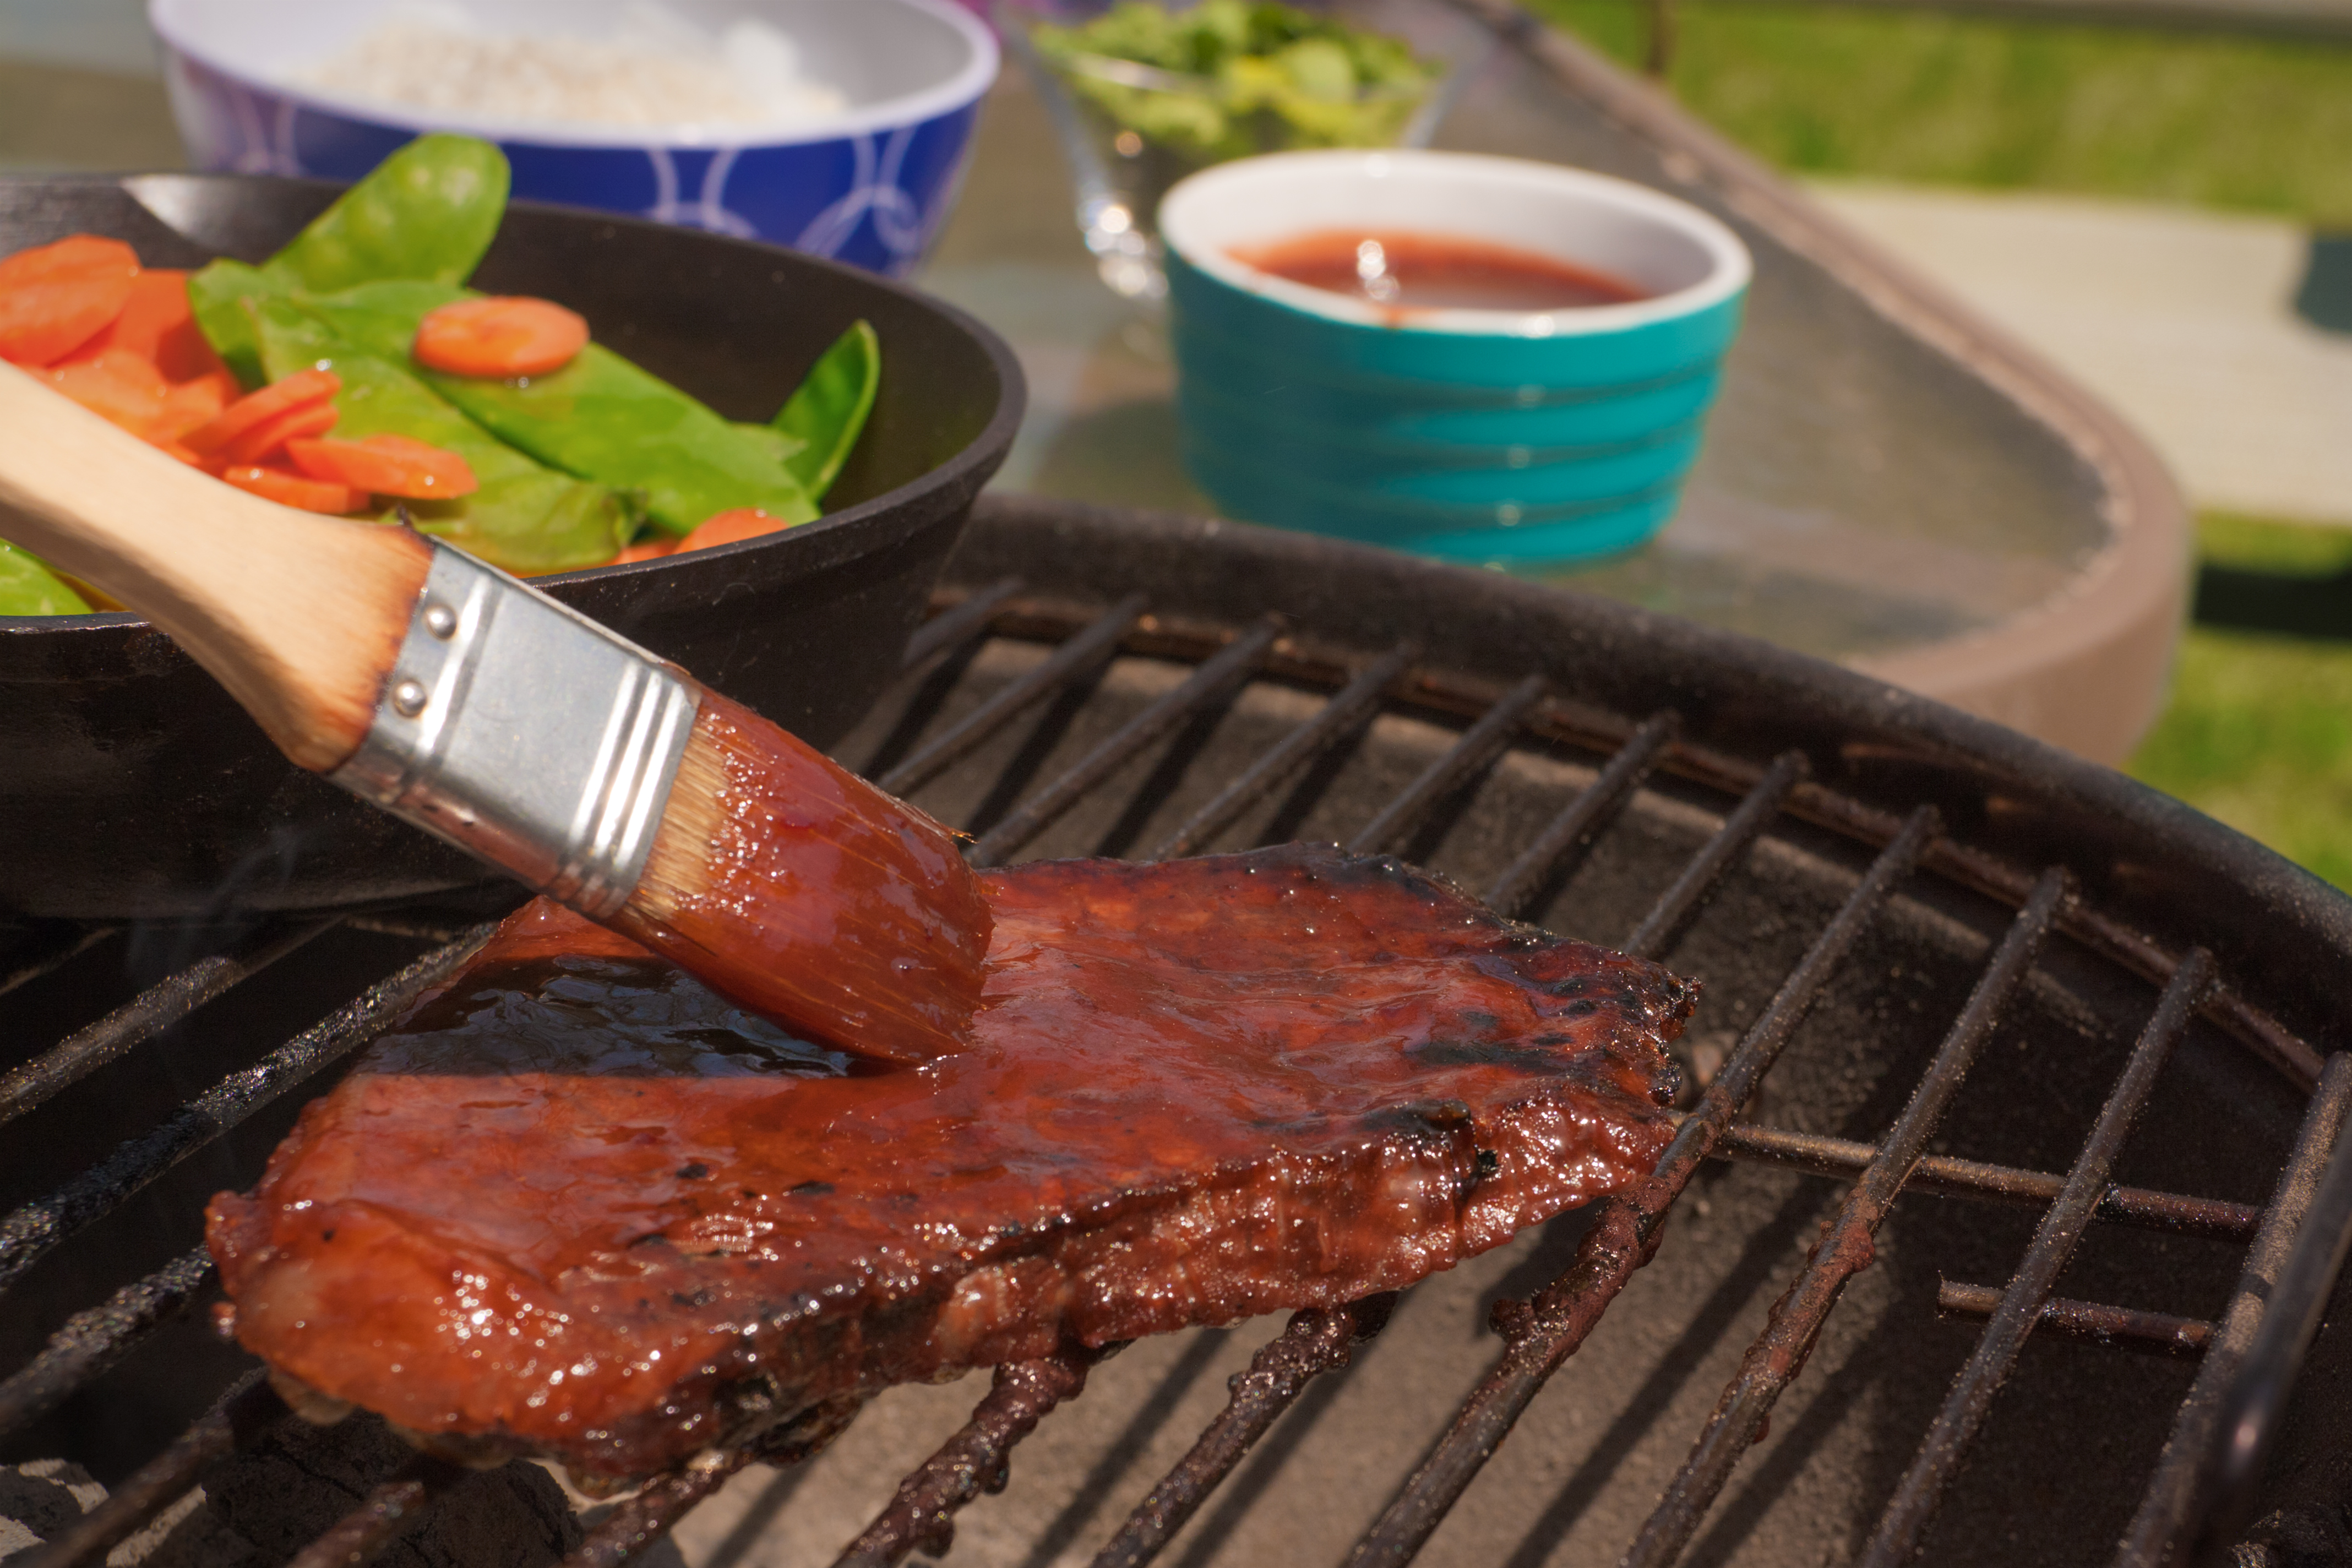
[869,187]
[1515,438]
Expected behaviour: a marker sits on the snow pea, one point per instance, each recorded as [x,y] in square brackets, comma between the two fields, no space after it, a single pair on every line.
[604,420]
[427,212]
[525,517]
[217,295]
[828,409]
[780,448]
[599,417]
[28,588]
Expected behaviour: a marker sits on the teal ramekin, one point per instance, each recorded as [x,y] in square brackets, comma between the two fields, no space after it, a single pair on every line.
[1478,436]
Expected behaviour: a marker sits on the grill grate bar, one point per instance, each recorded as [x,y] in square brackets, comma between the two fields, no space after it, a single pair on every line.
[1540,1335]
[1079,656]
[414,928]
[2100,932]
[643,1520]
[1476,746]
[55,956]
[95,1339]
[1776,1357]
[359,1537]
[2178,1492]
[922,1515]
[139,1020]
[243,1412]
[2257,1402]
[1586,815]
[2162,1332]
[1841,1158]
[1675,907]
[29,1233]
[1742,1074]
[1956,1425]
[1312,1343]
[964,622]
[1337,718]
[640,1521]
[1234,664]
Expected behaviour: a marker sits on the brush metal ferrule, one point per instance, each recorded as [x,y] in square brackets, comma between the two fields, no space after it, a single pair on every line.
[555,765]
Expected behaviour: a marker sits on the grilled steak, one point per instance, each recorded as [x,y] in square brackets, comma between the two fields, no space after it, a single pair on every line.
[578,1205]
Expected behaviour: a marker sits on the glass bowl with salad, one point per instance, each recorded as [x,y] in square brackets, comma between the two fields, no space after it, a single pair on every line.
[1145,93]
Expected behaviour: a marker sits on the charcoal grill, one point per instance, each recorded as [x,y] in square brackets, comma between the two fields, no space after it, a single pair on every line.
[2085,1037]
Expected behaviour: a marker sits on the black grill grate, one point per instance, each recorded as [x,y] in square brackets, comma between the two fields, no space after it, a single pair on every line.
[2195,1481]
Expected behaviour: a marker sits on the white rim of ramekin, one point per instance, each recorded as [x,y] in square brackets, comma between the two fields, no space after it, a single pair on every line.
[1731,273]
[908,108]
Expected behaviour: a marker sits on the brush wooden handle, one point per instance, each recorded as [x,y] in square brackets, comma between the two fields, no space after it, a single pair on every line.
[298,616]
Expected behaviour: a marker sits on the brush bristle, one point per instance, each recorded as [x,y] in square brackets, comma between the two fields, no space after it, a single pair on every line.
[790,885]
[679,869]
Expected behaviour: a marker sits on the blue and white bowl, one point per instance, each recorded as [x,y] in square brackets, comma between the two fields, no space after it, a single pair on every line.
[1476,435]
[869,185]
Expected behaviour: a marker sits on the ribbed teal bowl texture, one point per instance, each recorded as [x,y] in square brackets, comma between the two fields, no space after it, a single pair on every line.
[1472,434]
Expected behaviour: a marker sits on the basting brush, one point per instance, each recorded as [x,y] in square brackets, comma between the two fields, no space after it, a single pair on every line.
[488,714]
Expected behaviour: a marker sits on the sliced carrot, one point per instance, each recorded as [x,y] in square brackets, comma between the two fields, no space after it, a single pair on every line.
[647,550]
[269,438]
[255,408]
[117,384]
[158,302]
[386,466]
[157,325]
[56,298]
[293,490]
[727,527]
[512,335]
[193,402]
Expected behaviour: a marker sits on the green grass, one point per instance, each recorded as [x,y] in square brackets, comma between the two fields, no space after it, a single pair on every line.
[2288,548]
[2223,121]
[2258,730]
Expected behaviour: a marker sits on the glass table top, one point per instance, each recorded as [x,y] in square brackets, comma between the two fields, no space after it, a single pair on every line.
[1860,493]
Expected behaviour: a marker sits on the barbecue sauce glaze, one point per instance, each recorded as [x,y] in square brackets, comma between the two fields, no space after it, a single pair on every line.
[578,1205]
[802,890]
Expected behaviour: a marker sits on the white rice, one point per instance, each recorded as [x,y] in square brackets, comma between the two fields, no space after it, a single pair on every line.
[656,69]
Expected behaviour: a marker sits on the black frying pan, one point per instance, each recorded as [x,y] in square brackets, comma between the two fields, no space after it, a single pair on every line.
[132,786]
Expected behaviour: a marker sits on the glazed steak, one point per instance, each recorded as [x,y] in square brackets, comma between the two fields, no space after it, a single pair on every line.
[577,1204]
